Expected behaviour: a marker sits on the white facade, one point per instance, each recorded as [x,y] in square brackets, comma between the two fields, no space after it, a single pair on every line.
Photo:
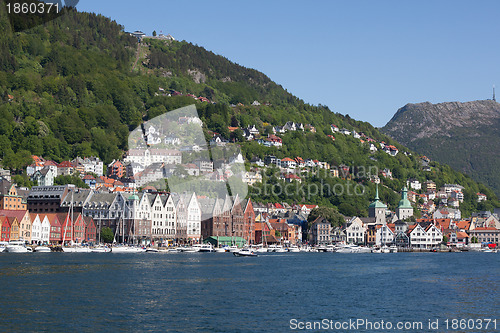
[147,157]
[193,211]
[170,217]
[45,234]
[93,165]
[420,238]
[415,184]
[355,232]
[384,236]
[36,230]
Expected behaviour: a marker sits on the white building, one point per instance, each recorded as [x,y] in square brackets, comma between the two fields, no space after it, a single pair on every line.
[355,232]
[415,184]
[384,236]
[425,238]
[163,216]
[147,157]
[44,177]
[93,165]
[36,229]
[45,234]
[193,212]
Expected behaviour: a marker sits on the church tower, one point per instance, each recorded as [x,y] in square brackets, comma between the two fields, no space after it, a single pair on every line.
[405,208]
[377,210]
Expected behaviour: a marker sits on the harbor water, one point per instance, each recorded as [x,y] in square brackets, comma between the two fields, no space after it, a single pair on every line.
[217,292]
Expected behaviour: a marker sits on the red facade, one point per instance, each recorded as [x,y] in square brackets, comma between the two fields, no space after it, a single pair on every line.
[5,229]
[90,229]
[55,236]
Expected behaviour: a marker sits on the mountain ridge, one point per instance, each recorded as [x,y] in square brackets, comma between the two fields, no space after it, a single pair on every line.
[462,134]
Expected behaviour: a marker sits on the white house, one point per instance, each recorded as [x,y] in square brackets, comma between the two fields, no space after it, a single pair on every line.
[345,131]
[288,163]
[44,177]
[36,229]
[147,157]
[481,197]
[425,238]
[45,234]
[93,165]
[170,216]
[384,235]
[193,211]
[415,184]
[355,232]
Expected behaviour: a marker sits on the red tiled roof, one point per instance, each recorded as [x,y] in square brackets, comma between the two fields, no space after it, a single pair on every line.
[65,164]
[465,225]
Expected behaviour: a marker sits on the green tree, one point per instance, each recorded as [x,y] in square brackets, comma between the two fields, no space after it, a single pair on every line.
[154,33]
[329,213]
[107,235]
[445,239]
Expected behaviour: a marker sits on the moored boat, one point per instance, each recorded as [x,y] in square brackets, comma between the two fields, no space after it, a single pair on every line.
[126,249]
[17,247]
[245,253]
[100,249]
[204,247]
[42,249]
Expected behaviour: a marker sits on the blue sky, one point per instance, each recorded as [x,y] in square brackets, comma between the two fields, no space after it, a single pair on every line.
[362,58]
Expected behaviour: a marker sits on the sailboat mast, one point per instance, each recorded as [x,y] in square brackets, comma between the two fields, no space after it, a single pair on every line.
[71,217]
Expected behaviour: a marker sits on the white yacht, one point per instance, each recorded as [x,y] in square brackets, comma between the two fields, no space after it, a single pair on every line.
[43,249]
[293,248]
[3,246]
[219,249]
[305,249]
[188,249]
[232,248]
[76,249]
[127,249]
[100,249]
[393,248]
[385,249]
[204,247]
[17,247]
[271,248]
[279,249]
[245,253]
[351,248]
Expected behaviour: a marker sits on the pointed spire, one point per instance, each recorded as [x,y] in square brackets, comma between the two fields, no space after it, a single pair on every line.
[376,193]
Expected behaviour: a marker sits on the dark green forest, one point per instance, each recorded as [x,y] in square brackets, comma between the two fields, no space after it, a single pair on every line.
[69,88]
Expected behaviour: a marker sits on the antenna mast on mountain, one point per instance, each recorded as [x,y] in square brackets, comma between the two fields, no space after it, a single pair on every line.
[494,93]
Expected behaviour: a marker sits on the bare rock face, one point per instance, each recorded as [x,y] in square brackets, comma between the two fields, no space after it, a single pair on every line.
[198,77]
[423,120]
[463,135]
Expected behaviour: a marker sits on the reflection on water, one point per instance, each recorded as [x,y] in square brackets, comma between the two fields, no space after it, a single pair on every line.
[223,293]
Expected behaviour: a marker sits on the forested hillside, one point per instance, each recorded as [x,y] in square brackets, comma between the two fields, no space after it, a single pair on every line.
[70,88]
